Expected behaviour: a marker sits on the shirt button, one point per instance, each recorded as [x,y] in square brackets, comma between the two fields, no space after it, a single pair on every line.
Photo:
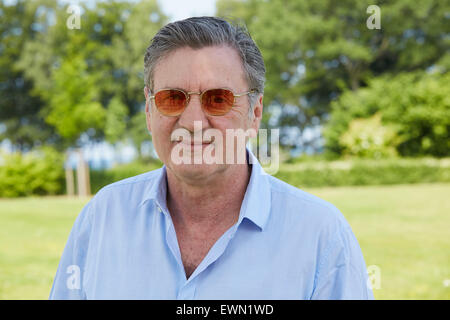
[159,209]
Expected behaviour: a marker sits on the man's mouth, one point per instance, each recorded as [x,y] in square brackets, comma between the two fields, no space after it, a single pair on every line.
[194,143]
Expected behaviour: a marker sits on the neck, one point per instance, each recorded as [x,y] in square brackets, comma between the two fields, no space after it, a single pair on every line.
[215,202]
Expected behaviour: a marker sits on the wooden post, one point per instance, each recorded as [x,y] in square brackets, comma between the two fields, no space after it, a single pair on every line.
[87,179]
[82,176]
[70,187]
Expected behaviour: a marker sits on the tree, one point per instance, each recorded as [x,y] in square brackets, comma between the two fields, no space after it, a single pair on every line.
[127,56]
[316,50]
[73,101]
[116,120]
[89,77]
[20,118]
[104,59]
[418,104]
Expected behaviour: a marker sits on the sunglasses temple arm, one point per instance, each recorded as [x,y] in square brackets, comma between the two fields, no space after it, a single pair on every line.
[243,94]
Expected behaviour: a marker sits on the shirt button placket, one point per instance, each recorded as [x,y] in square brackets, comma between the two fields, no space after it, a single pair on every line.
[187,292]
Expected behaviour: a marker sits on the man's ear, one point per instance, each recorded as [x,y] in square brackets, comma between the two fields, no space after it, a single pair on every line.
[257,113]
[147,95]
[147,109]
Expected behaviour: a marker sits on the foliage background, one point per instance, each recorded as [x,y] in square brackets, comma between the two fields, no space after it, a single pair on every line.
[355,107]
[325,70]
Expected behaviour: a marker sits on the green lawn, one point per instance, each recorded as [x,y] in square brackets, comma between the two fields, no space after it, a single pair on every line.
[404,230]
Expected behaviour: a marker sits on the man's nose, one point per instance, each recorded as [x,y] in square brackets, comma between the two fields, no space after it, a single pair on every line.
[192,113]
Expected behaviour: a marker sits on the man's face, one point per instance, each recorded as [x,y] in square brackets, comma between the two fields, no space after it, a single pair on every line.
[196,70]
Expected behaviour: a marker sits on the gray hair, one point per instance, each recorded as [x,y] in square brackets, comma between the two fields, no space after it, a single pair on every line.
[199,32]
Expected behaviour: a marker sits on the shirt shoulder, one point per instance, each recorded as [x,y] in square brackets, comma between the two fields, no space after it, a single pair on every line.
[144,178]
[140,183]
[123,197]
[307,220]
[301,206]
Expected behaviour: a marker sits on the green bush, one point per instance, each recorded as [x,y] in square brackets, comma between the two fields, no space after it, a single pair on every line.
[369,138]
[417,104]
[365,172]
[35,173]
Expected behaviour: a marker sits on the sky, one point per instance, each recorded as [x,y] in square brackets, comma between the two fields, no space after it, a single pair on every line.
[181,9]
[174,9]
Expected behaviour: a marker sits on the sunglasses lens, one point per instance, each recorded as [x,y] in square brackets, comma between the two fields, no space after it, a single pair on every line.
[170,102]
[217,102]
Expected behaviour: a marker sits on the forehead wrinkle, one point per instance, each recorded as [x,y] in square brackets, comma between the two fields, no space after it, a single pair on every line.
[193,73]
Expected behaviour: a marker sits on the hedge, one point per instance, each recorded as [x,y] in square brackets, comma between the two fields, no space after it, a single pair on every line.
[42,173]
[321,173]
[365,172]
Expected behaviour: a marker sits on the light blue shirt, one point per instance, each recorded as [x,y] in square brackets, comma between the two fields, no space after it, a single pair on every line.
[286,244]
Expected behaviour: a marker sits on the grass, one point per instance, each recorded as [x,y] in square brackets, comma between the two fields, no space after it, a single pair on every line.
[403,229]
[32,236]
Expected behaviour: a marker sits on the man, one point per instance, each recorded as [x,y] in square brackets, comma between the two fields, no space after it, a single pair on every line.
[207,229]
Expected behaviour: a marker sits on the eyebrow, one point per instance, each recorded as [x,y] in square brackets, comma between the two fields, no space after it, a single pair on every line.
[185,90]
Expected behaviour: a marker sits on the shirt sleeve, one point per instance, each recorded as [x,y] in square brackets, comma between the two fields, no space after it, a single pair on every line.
[342,273]
[68,282]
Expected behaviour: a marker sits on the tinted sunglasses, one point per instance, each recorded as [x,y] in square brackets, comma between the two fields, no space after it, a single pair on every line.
[215,102]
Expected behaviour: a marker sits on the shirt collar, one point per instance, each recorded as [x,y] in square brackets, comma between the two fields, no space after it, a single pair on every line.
[156,190]
[257,199]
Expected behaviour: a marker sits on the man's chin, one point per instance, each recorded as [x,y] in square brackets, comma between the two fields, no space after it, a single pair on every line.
[199,172]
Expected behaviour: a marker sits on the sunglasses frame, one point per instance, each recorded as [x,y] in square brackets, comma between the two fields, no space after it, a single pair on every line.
[188,97]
